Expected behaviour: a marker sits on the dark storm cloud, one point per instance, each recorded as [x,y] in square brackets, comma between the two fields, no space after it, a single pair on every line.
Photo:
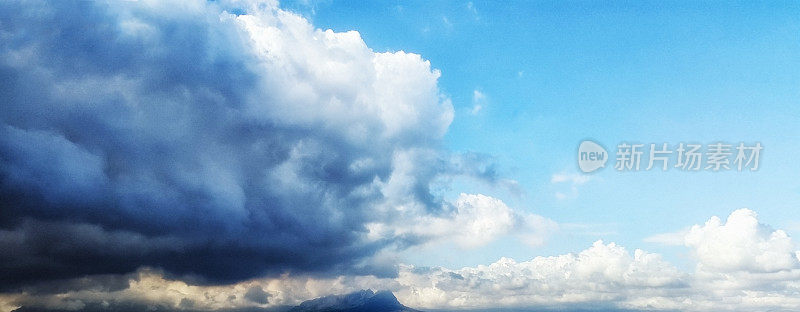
[127,139]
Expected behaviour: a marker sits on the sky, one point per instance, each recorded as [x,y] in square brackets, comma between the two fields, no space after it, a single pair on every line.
[191,155]
[552,74]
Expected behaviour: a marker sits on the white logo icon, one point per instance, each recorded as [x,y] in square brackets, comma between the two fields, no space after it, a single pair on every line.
[591,156]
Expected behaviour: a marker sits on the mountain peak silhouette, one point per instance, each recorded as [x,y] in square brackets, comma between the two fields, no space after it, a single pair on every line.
[359,301]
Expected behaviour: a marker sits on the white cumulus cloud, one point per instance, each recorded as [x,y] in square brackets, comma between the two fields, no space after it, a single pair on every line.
[472,220]
[741,244]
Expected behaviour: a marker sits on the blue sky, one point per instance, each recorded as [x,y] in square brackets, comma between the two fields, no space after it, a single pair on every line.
[554,74]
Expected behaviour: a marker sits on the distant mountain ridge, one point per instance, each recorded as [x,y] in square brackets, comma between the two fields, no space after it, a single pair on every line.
[360,301]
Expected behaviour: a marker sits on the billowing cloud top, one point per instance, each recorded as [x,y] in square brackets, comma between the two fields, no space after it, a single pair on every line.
[213,145]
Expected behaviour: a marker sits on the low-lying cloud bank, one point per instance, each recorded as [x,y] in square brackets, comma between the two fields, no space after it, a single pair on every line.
[751,268]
